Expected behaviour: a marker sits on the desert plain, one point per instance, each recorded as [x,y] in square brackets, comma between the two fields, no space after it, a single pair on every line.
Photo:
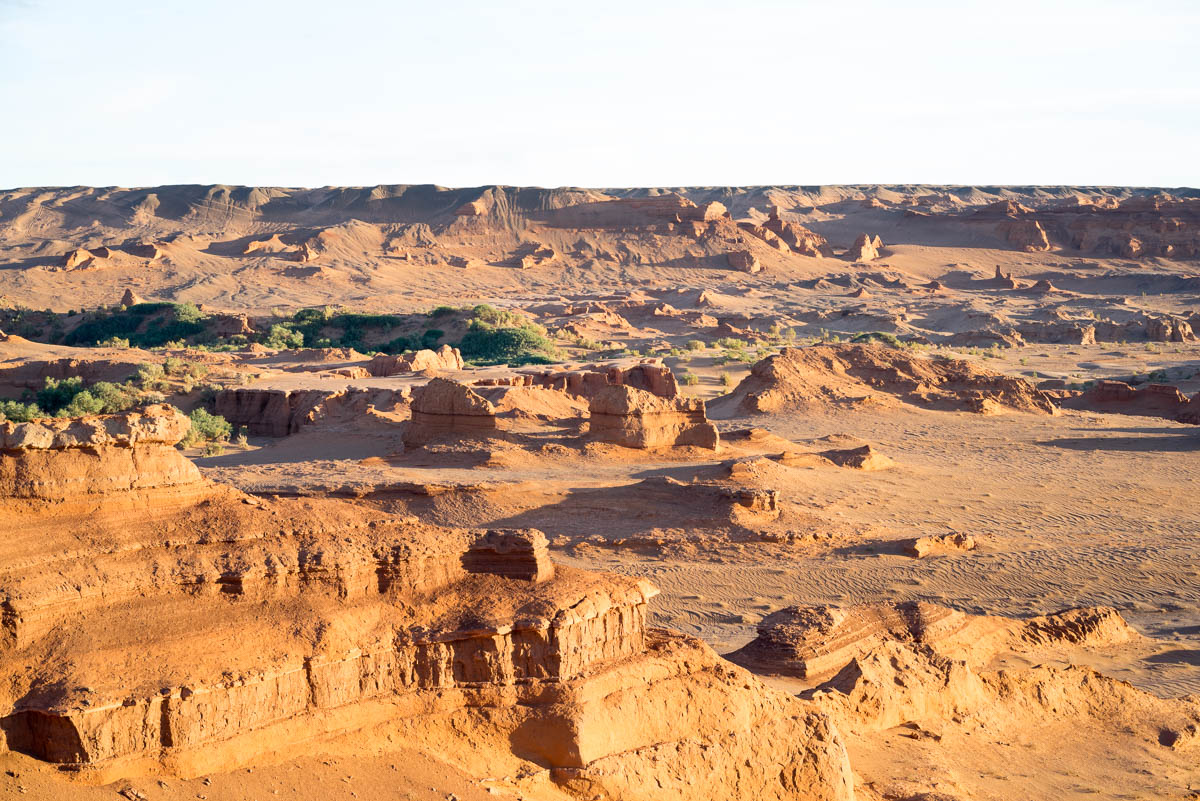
[405,492]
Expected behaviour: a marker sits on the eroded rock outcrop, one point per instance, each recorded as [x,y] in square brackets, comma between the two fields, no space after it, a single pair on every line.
[635,418]
[858,374]
[57,458]
[445,359]
[447,409]
[865,248]
[193,629]
[1117,397]
[743,261]
[586,382]
[809,641]
[280,412]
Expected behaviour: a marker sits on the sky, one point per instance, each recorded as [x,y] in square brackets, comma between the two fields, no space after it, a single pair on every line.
[612,94]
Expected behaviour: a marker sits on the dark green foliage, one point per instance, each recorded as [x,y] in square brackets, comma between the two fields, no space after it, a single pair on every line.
[878,336]
[19,412]
[208,427]
[283,336]
[69,397]
[145,325]
[486,344]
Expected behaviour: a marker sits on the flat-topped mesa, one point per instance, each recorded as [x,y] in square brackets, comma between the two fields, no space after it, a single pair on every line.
[445,408]
[520,554]
[59,458]
[443,360]
[635,418]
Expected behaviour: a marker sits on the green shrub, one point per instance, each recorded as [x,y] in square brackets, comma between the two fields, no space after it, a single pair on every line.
[878,336]
[696,344]
[500,318]
[689,379]
[727,379]
[486,344]
[430,338]
[57,393]
[206,427]
[281,337]
[17,412]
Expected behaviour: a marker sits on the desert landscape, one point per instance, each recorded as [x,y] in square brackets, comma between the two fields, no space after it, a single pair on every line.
[878,492]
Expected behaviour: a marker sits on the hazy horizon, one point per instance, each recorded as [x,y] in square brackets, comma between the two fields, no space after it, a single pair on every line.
[641,95]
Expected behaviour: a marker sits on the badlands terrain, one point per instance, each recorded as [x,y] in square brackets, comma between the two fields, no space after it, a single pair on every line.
[403,492]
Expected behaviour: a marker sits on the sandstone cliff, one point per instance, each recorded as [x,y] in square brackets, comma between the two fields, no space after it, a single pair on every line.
[191,627]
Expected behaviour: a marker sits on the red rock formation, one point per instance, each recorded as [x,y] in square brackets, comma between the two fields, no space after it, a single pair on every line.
[280,412]
[796,236]
[586,382]
[445,409]
[1117,397]
[864,248]
[131,298]
[635,418]
[443,360]
[76,258]
[743,261]
[272,244]
[852,374]
[1026,235]
[930,544]
[146,250]
[201,627]
[513,554]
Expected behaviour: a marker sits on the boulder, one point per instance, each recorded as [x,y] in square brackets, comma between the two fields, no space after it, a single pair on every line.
[743,261]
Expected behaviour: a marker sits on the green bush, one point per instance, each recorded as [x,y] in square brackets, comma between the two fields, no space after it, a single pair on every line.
[144,325]
[485,344]
[878,336]
[282,336]
[17,412]
[689,379]
[695,344]
[206,427]
[430,338]
[68,397]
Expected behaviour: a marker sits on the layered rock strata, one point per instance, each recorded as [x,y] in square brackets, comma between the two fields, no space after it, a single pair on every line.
[166,623]
[443,360]
[447,409]
[637,419]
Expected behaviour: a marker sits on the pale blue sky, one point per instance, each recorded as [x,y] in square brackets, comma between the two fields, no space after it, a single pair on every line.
[616,93]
